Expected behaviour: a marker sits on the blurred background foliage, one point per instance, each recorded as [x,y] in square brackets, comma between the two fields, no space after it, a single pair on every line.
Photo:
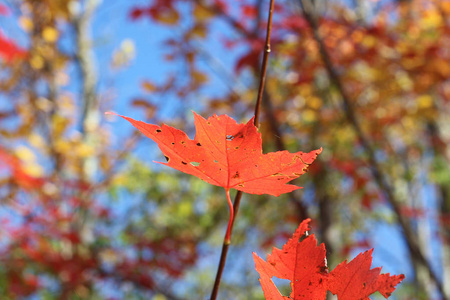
[86,214]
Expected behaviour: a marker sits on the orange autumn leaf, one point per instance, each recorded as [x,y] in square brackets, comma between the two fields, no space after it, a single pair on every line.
[228,154]
[304,263]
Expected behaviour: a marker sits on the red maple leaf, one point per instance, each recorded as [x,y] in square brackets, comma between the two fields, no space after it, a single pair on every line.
[304,263]
[355,280]
[229,155]
[9,50]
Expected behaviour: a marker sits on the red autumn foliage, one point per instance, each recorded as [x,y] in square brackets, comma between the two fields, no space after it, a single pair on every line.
[18,175]
[304,263]
[9,50]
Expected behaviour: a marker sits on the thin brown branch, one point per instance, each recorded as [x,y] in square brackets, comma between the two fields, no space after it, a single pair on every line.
[377,172]
[268,108]
[225,247]
[223,258]
[264,65]
[237,200]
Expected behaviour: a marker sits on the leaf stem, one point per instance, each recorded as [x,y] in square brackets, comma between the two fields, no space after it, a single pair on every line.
[237,200]
[226,242]
[227,239]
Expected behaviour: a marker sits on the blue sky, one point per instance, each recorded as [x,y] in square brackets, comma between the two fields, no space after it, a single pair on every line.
[111,27]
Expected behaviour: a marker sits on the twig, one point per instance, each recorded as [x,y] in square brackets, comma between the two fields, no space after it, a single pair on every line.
[377,173]
[264,65]
[301,208]
[237,200]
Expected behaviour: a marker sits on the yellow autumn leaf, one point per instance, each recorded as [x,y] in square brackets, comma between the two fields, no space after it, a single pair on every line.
[169,17]
[44,104]
[314,102]
[201,13]
[26,24]
[59,124]
[62,146]
[84,150]
[431,19]
[33,169]
[148,86]
[105,163]
[37,62]
[50,34]
[119,180]
[308,115]
[198,31]
[369,41]
[408,123]
[424,101]
[37,141]
[305,90]
[25,154]
[199,77]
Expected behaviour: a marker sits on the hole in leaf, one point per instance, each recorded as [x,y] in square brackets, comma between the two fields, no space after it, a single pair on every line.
[283,285]
[303,237]
[167,158]
[198,144]
[230,137]
[216,161]
[195,164]
[184,163]
[158,130]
